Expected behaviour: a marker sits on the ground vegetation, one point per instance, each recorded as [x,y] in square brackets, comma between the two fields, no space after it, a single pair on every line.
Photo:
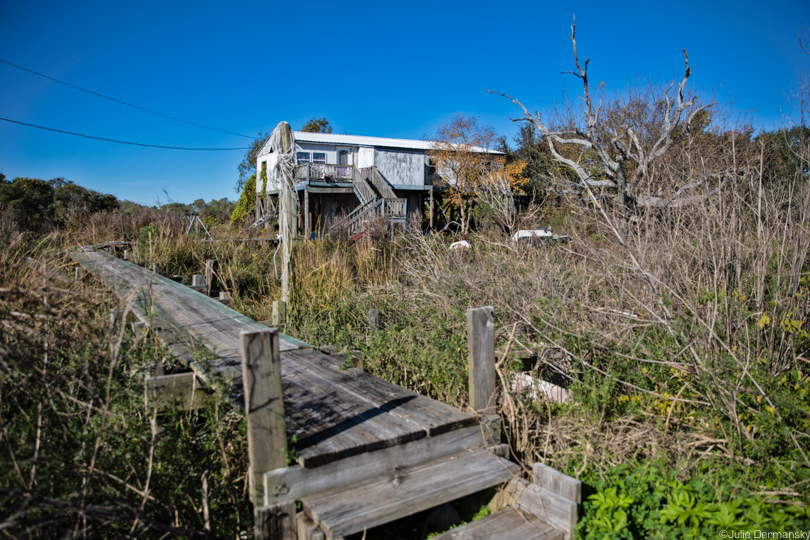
[678,329]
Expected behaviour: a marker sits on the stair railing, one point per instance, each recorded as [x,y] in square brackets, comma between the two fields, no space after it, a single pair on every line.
[382,185]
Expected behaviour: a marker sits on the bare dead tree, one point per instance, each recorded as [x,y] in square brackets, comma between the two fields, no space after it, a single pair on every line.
[615,153]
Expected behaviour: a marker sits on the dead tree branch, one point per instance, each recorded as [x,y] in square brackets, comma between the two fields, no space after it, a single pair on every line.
[615,155]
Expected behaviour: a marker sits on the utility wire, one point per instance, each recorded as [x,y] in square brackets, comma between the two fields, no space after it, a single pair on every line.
[119,142]
[122,102]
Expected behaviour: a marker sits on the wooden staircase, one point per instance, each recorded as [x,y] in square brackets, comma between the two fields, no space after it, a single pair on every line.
[507,524]
[363,505]
[355,494]
[367,184]
[269,213]
[264,219]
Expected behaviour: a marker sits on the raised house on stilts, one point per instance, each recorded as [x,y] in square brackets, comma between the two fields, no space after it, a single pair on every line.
[354,178]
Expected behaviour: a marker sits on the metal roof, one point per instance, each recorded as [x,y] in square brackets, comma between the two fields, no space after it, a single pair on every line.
[362,140]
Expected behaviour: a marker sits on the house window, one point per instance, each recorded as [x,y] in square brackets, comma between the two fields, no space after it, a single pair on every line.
[313,157]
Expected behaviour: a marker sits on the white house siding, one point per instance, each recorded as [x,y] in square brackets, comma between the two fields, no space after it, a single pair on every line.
[273,183]
[402,167]
[330,151]
[365,157]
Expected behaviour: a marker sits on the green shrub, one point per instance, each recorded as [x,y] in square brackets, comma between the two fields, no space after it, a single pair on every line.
[246,202]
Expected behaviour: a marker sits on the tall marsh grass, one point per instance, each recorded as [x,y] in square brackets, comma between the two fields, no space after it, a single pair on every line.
[680,333]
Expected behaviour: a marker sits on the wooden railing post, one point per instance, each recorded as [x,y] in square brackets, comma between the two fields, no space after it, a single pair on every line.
[264,406]
[266,430]
[481,345]
[210,274]
[198,282]
[279,313]
[373,319]
[431,208]
[307,218]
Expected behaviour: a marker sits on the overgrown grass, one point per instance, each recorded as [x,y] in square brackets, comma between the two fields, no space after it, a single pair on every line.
[680,335]
[83,455]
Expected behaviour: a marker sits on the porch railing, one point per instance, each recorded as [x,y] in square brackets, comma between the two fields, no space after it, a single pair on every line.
[393,209]
[325,171]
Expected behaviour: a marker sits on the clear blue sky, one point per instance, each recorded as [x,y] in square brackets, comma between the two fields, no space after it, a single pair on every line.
[372,68]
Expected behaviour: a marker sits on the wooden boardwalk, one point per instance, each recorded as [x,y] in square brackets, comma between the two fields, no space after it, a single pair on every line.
[368,452]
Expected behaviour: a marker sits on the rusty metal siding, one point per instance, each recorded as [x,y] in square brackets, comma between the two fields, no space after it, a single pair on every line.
[401,166]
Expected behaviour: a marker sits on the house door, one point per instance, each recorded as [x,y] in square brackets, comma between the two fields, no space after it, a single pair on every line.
[343,159]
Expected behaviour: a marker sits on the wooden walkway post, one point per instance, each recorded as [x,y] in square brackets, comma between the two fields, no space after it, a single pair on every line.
[211,274]
[264,406]
[198,282]
[266,430]
[307,217]
[279,315]
[481,346]
[373,319]
[287,209]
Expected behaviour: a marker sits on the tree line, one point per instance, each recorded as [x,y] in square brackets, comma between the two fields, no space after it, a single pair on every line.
[39,206]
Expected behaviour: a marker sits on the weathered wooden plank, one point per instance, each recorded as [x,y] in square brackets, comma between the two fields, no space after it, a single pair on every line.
[432,416]
[368,504]
[508,524]
[330,423]
[117,274]
[275,522]
[307,529]
[557,511]
[264,407]
[317,443]
[332,190]
[163,296]
[295,483]
[481,345]
[558,483]
[174,390]
[333,416]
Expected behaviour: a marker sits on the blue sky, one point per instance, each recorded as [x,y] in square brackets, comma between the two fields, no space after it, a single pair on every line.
[394,69]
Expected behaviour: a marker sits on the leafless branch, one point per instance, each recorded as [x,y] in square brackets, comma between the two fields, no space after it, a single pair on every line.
[625,159]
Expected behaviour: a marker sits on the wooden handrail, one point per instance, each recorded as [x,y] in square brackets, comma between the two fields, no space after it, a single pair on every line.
[381,208]
[382,185]
[364,191]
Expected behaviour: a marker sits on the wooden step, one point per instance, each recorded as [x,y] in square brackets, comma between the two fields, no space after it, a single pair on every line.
[507,524]
[364,505]
[295,483]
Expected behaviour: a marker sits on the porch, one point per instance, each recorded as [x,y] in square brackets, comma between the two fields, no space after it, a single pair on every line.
[332,183]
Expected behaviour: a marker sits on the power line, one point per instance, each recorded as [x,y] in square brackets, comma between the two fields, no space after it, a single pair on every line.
[123,102]
[119,142]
